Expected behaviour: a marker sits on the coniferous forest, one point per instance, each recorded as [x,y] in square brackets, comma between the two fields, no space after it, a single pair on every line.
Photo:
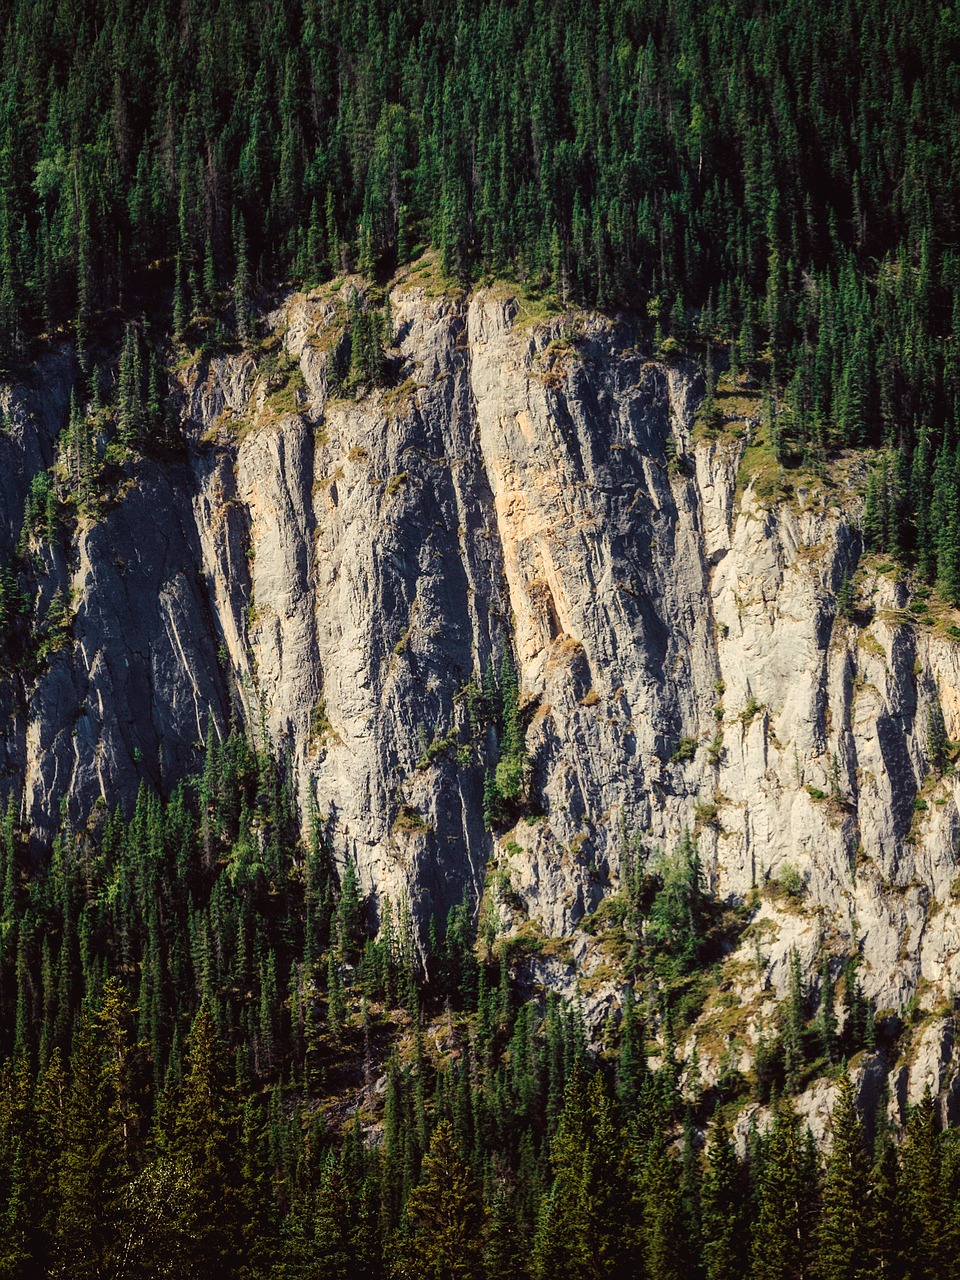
[775,185]
[211,1065]
[212,1069]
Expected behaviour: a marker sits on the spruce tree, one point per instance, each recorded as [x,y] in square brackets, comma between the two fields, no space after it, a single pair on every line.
[202,1145]
[842,1239]
[441,1235]
[786,1202]
[923,1190]
[88,1186]
[723,1210]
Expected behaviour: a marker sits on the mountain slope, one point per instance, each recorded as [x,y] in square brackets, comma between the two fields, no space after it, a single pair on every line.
[697,640]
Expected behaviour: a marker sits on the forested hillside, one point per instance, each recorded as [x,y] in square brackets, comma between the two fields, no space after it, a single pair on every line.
[776,185]
[213,1071]
[777,182]
[219,1055]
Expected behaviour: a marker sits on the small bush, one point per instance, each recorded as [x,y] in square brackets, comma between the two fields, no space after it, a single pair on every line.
[671,349]
[686,750]
[410,820]
[706,814]
[791,881]
[750,710]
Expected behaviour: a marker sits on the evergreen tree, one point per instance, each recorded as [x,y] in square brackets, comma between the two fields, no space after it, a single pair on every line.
[202,1145]
[631,1065]
[842,1247]
[581,1232]
[786,1197]
[884,1215]
[677,913]
[724,1217]
[89,1173]
[928,1246]
[665,1243]
[441,1234]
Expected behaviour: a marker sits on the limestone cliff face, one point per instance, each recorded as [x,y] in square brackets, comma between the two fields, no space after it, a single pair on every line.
[340,570]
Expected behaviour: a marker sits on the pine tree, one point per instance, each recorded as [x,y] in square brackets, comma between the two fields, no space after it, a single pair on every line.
[202,1146]
[504,1244]
[581,1232]
[723,1210]
[795,1021]
[786,1202]
[677,913]
[349,920]
[336,1003]
[926,1215]
[631,1065]
[122,1066]
[884,1212]
[130,406]
[88,1185]
[873,521]
[665,1253]
[330,1248]
[826,1013]
[242,291]
[441,1235]
[842,1248]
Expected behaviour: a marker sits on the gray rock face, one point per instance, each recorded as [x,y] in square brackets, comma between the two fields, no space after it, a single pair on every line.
[134,694]
[341,569]
[31,415]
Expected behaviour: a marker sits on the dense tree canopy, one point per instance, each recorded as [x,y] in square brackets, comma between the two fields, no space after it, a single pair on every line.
[777,183]
[779,176]
[210,1064]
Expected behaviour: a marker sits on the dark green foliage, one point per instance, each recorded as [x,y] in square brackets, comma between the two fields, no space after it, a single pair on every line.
[843,1234]
[455,965]
[631,1064]
[441,1234]
[14,610]
[723,1210]
[858,1026]
[506,784]
[187,999]
[826,1013]
[666,1244]
[88,1183]
[926,1195]
[786,1207]
[130,390]
[804,1041]
[795,1022]
[182,896]
[202,1149]
[884,1209]
[677,914]
[40,513]
[778,182]
[581,1230]
[938,744]
[349,930]
[368,360]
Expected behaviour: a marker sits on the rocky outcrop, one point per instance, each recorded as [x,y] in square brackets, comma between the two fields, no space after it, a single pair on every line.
[340,570]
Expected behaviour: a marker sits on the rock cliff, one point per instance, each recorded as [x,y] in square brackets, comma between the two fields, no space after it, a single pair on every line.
[699,644]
